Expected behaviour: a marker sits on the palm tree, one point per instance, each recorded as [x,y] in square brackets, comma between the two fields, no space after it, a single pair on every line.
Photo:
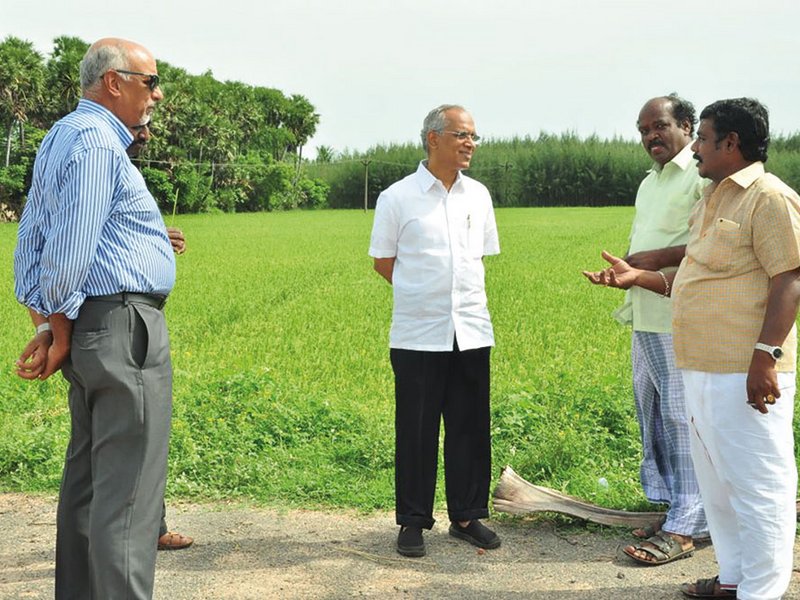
[63,77]
[325,154]
[21,86]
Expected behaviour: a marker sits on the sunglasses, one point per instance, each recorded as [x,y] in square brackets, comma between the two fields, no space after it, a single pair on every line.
[151,81]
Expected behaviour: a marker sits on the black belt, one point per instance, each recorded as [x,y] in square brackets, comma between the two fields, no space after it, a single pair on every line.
[155,300]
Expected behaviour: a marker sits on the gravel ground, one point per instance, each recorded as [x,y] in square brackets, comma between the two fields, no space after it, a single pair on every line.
[248,553]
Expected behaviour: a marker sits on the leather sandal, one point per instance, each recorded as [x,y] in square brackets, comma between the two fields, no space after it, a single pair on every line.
[174,541]
[663,549]
[707,588]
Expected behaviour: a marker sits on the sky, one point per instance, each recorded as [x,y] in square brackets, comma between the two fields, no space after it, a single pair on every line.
[374,68]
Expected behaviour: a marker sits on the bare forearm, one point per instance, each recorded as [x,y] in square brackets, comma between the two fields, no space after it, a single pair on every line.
[384,267]
[61,327]
[782,304]
[36,318]
[656,281]
[661,258]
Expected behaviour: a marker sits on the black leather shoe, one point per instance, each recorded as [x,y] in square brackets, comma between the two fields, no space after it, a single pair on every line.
[410,542]
[476,533]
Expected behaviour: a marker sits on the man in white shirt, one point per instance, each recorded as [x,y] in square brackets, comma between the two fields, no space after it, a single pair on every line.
[431,232]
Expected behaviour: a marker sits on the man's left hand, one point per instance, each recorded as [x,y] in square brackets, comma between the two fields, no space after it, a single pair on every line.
[33,360]
[762,382]
[177,240]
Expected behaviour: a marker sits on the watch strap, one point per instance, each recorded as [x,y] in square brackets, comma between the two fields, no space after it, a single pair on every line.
[774,351]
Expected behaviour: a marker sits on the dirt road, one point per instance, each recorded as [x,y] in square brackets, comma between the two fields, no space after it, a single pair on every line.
[252,553]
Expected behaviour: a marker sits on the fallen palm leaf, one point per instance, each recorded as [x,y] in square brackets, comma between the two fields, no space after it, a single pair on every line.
[519,497]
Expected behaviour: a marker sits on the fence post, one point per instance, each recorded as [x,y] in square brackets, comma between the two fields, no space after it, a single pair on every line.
[366,182]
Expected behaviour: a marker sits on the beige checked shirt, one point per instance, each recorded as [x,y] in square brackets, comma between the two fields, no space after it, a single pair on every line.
[744,230]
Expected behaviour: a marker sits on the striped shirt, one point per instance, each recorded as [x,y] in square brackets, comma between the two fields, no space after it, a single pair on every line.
[745,231]
[90,227]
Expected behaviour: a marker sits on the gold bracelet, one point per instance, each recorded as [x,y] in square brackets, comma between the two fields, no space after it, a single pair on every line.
[666,284]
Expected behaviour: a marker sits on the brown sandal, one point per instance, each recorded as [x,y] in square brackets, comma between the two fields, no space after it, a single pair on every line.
[662,547]
[174,541]
[707,588]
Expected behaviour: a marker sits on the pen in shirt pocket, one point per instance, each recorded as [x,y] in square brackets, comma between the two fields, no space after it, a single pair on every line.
[469,221]
[727,224]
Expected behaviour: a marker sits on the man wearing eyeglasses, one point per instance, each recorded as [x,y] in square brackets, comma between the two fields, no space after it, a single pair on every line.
[94,266]
[430,234]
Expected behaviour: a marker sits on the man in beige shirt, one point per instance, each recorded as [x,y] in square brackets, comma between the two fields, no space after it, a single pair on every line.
[735,303]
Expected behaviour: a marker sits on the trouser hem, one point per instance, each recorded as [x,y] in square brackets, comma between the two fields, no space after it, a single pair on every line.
[412,521]
[468,515]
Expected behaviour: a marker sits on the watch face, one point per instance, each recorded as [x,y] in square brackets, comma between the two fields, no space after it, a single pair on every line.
[777,353]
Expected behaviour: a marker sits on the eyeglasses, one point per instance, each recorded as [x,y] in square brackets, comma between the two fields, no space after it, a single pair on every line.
[463,135]
[151,81]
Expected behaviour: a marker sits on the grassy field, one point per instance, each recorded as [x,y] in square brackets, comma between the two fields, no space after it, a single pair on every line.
[283,388]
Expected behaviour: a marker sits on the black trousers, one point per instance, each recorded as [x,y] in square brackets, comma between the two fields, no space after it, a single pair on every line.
[428,386]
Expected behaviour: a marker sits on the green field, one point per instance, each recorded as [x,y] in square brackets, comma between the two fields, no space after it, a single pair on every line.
[283,388]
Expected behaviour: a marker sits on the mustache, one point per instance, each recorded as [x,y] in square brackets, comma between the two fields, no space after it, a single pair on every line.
[697,158]
[655,143]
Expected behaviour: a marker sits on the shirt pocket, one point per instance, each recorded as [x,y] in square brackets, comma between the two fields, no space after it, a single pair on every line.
[726,238]
[475,236]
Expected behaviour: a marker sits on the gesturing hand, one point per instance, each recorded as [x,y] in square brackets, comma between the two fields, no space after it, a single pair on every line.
[619,275]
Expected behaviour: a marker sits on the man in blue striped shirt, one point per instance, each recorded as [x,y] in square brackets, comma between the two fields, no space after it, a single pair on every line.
[94,266]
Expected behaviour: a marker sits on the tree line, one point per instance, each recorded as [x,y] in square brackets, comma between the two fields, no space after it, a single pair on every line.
[228,146]
[546,170]
[216,145]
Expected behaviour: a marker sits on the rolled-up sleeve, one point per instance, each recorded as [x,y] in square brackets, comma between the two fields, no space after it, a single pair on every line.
[27,257]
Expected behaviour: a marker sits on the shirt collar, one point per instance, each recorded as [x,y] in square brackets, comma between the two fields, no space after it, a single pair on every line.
[745,177]
[427,180]
[91,107]
[682,159]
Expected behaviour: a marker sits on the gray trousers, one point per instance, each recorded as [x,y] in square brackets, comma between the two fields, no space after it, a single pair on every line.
[110,504]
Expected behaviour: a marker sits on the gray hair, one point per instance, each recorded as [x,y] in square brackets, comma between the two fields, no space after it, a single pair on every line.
[436,121]
[99,59]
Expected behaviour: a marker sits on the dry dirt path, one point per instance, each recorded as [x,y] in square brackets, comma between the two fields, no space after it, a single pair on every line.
[254,553]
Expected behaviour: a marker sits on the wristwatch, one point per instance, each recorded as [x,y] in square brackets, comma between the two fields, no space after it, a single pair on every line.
[774,351]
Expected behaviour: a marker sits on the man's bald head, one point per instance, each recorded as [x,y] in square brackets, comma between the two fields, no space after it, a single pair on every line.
[122,76]
[104,54]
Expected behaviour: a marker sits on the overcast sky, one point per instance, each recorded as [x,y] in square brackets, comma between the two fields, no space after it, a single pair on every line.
[373,68]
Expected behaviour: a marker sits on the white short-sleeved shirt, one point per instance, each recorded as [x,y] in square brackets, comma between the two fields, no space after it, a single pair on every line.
[438,239]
